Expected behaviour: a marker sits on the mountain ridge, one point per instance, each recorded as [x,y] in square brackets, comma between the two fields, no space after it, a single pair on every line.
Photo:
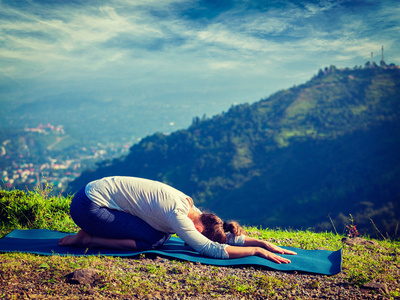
[255,159]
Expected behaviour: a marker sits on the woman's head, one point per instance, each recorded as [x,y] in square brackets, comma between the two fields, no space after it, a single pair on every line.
[215,229]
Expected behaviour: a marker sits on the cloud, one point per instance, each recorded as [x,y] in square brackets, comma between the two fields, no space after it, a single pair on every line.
[237,49]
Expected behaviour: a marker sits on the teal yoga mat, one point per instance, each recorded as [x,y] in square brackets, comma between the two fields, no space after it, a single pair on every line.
[45,242]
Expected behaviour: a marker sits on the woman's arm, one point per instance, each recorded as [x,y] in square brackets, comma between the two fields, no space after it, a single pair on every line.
[237,252]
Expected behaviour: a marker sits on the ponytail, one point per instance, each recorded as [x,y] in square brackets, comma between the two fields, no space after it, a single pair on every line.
[233,227]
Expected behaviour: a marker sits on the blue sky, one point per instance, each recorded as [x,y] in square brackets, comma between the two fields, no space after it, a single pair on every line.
[206,55]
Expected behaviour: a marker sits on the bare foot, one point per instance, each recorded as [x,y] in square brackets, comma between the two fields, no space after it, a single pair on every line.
[81,239]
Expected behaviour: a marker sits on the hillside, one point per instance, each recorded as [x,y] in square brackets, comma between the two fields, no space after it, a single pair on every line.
[325,149]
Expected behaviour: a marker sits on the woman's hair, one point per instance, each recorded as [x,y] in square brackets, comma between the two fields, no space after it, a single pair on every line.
[215,229]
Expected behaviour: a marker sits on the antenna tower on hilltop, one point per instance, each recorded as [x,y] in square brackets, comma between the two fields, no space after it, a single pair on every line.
[382,54]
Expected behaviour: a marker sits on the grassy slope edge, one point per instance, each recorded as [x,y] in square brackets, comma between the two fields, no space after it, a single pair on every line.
[32,276]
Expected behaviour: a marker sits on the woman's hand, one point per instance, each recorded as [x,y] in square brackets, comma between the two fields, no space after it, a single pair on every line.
[237,252]
[270,248]
[276,249]
[271,256]
[260,248]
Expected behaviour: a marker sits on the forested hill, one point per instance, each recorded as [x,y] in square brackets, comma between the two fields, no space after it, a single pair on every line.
[325,149]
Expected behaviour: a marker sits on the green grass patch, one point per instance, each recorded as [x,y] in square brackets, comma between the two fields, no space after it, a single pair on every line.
[30,210]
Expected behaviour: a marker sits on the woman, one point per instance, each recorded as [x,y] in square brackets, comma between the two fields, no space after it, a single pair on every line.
[128,213]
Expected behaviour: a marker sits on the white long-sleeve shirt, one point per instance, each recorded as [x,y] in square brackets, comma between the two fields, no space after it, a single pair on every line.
[161,206]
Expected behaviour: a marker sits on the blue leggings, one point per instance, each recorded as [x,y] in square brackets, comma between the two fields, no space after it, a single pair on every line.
[113,224]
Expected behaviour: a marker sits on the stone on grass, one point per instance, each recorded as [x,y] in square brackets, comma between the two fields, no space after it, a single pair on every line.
[359,241]
[84,276]
[376,286]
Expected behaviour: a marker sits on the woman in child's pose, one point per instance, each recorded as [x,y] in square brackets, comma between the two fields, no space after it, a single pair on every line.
[128,213]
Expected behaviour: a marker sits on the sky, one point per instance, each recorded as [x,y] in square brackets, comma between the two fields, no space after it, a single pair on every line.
[204,55]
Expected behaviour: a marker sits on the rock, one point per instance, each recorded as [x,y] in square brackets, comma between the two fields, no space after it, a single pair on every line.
[376,286]
[84,276]
[359,241]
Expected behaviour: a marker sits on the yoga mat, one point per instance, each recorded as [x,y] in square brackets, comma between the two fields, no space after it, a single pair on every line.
[45,242]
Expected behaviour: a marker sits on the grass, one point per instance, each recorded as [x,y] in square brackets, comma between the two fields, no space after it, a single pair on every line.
[27,275]
[20,210]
